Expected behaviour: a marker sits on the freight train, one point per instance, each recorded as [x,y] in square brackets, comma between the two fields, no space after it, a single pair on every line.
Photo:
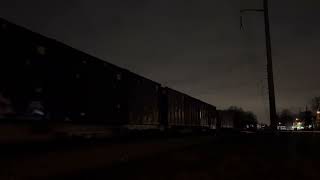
[50,89]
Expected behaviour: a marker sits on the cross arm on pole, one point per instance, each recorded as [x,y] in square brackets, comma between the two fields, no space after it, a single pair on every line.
[272,102]
[248,10]
[251,10]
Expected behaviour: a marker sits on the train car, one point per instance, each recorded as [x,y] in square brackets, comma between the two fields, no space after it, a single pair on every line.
[46,82]
[226,120]
[50,89]
[208,116]
[143,102]
[180,111]
[173,109]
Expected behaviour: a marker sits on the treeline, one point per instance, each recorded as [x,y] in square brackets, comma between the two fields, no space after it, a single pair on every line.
[247,119]
[243,119]
[287,117]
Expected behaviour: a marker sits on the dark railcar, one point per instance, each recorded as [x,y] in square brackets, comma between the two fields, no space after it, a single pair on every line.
[45,79]
[226,119]
[142,102]
[42,79]
[173,108]
[182,111]
[212,117]
[208,117]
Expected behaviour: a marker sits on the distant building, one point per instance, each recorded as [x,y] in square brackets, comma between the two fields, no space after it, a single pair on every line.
[283,127]
[317,122]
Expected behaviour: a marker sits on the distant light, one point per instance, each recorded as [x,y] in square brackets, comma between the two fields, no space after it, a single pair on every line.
[67,119]
[318,112]
[297,119]
[38,112]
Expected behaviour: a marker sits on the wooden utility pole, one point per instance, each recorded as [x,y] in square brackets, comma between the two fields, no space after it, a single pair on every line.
[272,101]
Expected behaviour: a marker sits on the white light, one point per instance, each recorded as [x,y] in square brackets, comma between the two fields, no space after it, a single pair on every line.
[318,112]
[297,119]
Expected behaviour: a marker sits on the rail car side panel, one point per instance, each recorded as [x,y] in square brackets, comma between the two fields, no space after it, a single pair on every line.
[143,102]
[41,76]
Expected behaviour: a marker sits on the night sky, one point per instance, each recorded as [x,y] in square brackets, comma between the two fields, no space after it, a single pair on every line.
[196,46]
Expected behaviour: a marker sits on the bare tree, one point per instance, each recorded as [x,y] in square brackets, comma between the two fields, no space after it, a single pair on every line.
[243,119]
[315,103]
[286,117]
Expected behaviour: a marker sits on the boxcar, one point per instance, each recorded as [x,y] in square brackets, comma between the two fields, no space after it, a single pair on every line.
[226,119]
[182,111]
[173,108]
[44,80]
[52,88]
[58,81]
[142,102]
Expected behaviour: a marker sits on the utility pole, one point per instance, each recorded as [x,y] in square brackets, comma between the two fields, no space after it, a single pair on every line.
[272,101]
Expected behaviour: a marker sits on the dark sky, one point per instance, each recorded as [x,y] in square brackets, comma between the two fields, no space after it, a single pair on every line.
[193,46]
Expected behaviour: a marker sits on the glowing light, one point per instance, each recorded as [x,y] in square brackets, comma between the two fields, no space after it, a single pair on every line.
[318,112]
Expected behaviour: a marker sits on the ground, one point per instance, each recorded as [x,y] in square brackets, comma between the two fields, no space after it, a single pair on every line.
[237,156]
